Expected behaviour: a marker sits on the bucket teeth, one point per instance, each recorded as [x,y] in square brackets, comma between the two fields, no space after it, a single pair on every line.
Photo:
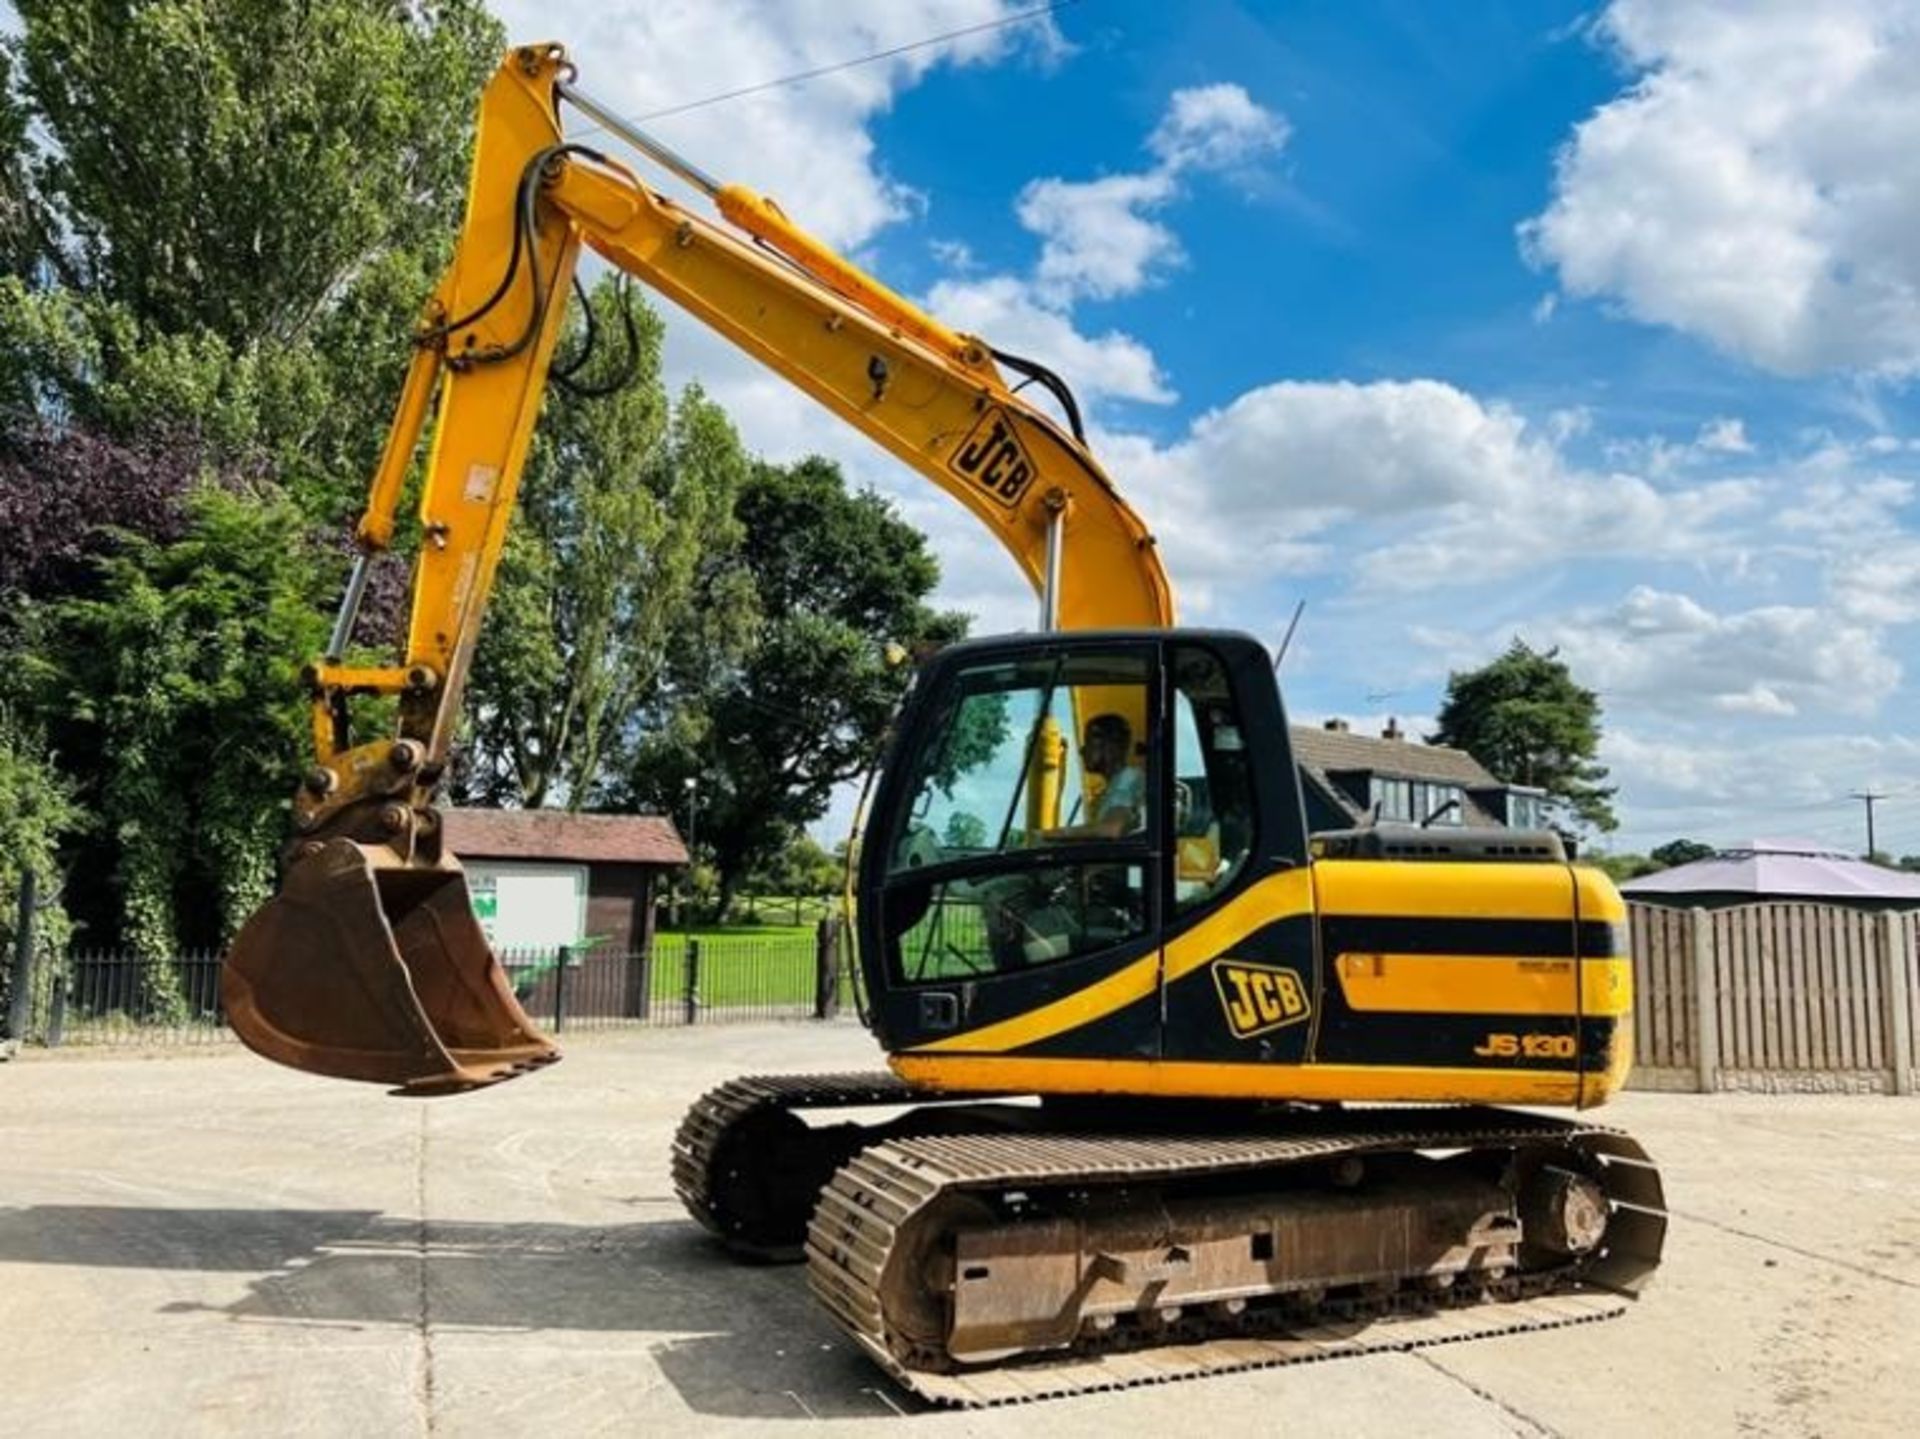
[366,967]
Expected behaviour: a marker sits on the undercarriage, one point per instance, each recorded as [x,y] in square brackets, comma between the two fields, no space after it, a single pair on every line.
[987,1250]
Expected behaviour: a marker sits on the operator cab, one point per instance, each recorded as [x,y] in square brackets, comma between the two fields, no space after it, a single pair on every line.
[1055,807]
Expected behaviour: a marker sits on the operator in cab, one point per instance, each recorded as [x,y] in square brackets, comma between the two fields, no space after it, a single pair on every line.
[1107,750]
[1032,918]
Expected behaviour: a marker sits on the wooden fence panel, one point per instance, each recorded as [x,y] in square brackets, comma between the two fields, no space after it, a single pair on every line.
[1821,1001]
[1903,1010]
[1873,1012]
[1805,996]
[1852,992]
[1793,990]
[1663,1014]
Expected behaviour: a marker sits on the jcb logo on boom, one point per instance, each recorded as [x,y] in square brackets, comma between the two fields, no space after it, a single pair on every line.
[993,459]
[1258,997]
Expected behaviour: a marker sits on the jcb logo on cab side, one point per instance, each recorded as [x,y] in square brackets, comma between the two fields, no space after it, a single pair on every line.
[993,458]
[1258,997]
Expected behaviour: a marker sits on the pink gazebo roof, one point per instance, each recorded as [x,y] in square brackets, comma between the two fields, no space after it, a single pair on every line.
[1781,867]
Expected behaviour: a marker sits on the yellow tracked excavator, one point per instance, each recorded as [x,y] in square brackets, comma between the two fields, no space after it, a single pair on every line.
[1173,1087]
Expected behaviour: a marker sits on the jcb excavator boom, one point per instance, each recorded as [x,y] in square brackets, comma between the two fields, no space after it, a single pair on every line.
[369,964]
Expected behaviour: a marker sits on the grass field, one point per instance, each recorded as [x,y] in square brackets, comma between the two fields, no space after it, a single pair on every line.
[777,909]
[763,960]
[764,967]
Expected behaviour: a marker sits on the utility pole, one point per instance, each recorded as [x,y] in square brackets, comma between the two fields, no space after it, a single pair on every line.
[693,834]
[1867,797]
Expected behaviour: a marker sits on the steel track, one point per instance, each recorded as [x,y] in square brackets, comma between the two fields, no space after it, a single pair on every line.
[855,1245]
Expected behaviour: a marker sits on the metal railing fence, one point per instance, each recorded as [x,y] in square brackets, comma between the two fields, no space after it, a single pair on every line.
[100,997]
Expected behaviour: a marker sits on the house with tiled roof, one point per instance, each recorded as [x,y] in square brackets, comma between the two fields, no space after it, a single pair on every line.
[1350,779]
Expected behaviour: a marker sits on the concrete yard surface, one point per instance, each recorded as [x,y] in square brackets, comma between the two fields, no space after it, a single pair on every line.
[207,1244]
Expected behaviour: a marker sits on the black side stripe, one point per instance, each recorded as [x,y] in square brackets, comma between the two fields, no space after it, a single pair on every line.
[1399,934]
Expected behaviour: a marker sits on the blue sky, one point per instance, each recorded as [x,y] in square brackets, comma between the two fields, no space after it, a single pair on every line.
[1590,326]
[1594,325]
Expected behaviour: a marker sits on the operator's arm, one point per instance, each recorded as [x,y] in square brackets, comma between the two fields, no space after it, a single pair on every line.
[1120,813]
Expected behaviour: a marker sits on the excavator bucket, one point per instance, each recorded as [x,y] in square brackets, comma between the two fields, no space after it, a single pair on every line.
[366,967]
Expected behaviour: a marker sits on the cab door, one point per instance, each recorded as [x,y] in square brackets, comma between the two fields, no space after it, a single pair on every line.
[1011,875]
[1240,973]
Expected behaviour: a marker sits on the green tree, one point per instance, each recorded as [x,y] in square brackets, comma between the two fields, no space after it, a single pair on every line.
[1529,723]
[251,200]
[218,219]
[175,691]
[965,831]
[1623,866]
[20,228]
[37,813]
[625,516]
[230,165]
[800,867]
[1681,851]
[836,576]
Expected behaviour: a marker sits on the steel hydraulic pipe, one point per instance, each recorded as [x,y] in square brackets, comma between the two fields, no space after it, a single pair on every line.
[349,607]
[1050,587]
[660,154]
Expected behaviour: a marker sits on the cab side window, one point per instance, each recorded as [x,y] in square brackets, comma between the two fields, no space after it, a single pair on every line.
[1212,780]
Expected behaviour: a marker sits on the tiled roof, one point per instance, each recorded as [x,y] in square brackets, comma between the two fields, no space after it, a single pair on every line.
[1323,752]
[555,834]
[1333,750]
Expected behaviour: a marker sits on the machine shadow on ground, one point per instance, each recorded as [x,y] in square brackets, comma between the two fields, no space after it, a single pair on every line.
[736,1340]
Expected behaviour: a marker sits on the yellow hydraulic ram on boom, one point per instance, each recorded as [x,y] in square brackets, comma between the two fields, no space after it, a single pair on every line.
[1136,938]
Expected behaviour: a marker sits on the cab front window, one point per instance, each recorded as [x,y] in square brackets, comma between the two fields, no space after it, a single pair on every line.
[1023,836]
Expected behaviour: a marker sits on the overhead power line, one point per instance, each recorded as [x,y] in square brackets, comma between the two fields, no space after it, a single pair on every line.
[1038,12]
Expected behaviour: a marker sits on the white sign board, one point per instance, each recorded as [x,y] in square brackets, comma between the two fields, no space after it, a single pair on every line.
[529,908]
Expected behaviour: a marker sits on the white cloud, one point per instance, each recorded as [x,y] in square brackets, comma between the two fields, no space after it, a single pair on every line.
[1569,424]
[1756,699]
[955,255]
[1665,651]
[1879,583]
[806,142]
[1417,484]
[1725,436]
[1216,127]
[1098,243]
[1849,521]
[1757,184]
[1098,239]
[1721,788]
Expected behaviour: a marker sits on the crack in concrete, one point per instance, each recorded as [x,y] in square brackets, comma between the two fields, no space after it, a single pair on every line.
[1812,1254]
[423,1324]
[1531,1424]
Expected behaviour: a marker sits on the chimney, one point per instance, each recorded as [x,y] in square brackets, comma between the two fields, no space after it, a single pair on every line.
[1393,730]
[1338,726]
